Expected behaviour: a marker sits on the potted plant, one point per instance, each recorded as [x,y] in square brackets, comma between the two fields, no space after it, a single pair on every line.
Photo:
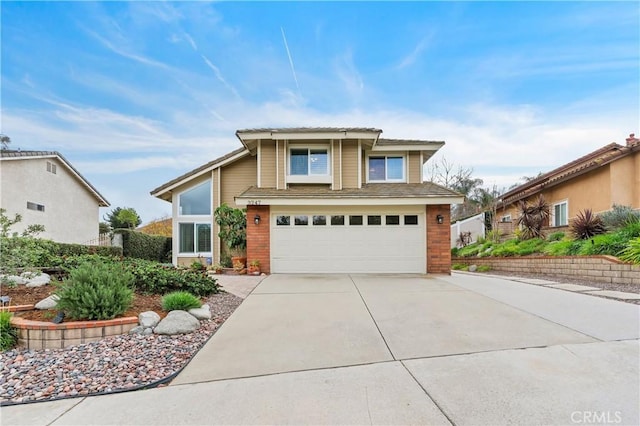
[233,231]
[254,267]
[216,268]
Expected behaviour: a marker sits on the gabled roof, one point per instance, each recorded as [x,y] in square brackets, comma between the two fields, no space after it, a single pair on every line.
[164,191]
[8,155]
[378,191]
[309,130]
[584,164]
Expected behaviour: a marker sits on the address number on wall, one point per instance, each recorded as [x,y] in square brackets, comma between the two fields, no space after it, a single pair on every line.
[254,202]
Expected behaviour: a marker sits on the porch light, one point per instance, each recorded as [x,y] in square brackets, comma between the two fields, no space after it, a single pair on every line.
[256,219]
[440,219]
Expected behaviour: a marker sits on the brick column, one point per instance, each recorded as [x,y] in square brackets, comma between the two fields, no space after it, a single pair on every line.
[258,237]
[438,239]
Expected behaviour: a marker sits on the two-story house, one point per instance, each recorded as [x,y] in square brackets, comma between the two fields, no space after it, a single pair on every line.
[319,200]
[598,180]
[45,189]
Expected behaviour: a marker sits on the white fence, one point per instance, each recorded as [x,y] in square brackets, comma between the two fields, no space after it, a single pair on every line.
[474,225]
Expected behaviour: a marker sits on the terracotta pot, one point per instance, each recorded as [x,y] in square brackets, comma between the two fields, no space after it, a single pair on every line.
[238,259]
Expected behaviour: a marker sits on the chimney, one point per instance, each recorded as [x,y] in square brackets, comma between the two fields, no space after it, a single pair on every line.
[632,140]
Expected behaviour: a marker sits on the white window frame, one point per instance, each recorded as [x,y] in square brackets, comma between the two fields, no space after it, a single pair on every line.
[553,214]
[195,252]
[386,156]
[52,168]
[194,187]
[506,218]
[309,178]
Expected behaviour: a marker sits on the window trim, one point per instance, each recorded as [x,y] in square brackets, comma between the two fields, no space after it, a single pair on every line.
[386,157]
[195,252]
[553,213]
[309,178]
[506,218]
[36,207]
[210,214]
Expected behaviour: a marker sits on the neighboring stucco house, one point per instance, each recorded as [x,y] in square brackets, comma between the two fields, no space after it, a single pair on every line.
[319,200]
[596,181]
[46,189]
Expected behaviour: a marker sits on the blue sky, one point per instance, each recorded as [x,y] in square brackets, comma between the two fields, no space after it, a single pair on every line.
[137,93]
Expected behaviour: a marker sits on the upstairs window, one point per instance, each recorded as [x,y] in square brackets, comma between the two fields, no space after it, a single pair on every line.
[52,168]
[386,168]
[35,206]
[309,164]
[309,161]
[196,201]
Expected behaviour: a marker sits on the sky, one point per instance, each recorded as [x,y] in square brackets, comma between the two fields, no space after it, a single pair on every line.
[134,94]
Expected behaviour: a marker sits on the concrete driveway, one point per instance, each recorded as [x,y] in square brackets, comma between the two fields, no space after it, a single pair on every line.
[383,349]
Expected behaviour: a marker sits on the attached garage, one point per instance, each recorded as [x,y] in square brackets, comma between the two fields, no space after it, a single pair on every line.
[348,239]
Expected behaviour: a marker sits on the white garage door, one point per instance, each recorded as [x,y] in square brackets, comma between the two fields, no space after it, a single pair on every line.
[352,241]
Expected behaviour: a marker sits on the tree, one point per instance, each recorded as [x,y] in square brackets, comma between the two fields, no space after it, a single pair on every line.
[162,226]
[104,228]
[233,228]
[6,223]
[4,141]
[123,217]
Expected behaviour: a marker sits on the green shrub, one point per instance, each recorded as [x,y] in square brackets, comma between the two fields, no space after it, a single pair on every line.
[8,334]
[507,249]
[611,244]
[630,230]
[180,301]
[153,277]
[532,246]
[96,291]
[458,267]
[619,216]
[144,246]
[562,248]
[556,236]
[454,252]
[632,252]
[470,250]
[483,268]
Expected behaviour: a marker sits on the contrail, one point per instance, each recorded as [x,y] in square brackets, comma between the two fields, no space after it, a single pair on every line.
[293,70]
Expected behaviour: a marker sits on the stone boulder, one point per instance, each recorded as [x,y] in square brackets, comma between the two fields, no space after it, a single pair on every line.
[473,268]
[35,279]
[148,319]
[201,313]
[177,322]
[13,279]
[49,303]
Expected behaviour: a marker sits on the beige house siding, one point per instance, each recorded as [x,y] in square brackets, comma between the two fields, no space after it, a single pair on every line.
[336,171]
[282,163]
[267,164]
[636,160]
[236,177]
[349,164]
[27,180]
[415,168]
[215,241]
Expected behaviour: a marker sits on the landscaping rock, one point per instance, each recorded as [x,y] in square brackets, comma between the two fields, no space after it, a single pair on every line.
[136,330]
[36,280]
[177,322]
[148,319]
[201,313]
[473,268]
[14,279]
[48,303]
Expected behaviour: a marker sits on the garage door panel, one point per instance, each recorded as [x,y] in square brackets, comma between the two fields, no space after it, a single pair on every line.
[348,248]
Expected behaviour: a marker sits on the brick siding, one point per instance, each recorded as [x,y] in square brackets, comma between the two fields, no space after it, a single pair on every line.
[604,269]
[438,240]
[258,237]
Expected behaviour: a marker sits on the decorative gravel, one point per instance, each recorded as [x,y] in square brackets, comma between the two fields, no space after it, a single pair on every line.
[112,364]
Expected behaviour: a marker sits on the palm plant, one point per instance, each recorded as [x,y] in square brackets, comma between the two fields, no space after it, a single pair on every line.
[587,225]
[533,217]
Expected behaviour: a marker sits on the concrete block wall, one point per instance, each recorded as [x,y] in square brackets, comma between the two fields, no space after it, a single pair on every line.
[606,269]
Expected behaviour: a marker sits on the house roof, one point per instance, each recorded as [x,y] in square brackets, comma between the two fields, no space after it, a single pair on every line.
[9,154]
[309,130]
[584,164]
[415,142]
[379,191]
[166,188]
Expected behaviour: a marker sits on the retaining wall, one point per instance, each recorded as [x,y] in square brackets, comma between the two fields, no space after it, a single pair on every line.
[606,269]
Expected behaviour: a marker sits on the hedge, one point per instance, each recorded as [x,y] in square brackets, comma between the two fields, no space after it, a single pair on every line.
[144,246]
[25,252]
